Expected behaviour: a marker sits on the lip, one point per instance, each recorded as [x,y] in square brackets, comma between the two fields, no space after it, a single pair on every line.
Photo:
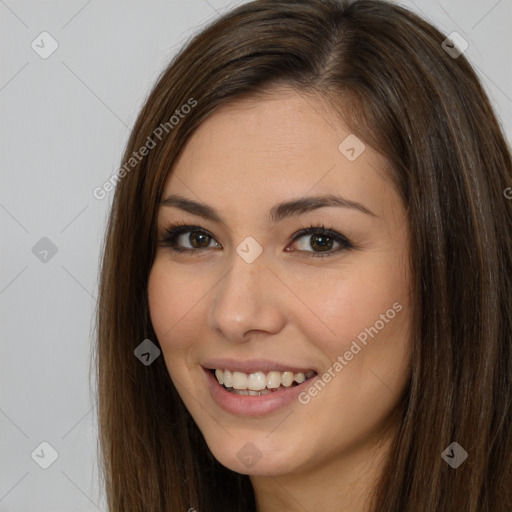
[246,405]
[254,365]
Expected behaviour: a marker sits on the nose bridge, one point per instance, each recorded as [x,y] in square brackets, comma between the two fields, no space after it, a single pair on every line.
[245,300]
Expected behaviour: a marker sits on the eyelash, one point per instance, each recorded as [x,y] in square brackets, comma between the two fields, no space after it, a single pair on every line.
[174,230]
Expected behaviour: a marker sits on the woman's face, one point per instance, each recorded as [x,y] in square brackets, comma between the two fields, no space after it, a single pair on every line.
[253,296]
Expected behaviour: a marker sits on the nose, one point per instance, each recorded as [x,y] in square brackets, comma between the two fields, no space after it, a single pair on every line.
[248,298]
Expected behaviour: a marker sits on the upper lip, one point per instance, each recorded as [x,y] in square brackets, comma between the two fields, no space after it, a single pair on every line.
[254,365]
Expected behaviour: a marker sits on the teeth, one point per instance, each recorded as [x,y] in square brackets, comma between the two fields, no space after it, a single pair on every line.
[273,380]
[228,378]
[250,392]
[258,383]
[240,380]
[300,377]
[287,379]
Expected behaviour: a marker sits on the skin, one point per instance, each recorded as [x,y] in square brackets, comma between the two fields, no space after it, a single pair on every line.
[287,305]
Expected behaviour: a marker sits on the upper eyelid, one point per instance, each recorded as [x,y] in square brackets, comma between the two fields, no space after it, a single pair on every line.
[185,228]
[340,238]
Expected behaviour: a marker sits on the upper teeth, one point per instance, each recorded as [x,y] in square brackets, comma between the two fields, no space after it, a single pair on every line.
[259,380]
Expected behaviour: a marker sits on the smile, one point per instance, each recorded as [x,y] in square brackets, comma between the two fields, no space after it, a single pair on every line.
[259,383]
[257,393]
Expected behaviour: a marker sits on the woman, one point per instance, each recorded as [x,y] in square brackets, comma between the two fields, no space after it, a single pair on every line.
[237,369]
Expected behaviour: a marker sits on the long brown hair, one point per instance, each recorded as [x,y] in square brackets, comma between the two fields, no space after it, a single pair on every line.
[386,72]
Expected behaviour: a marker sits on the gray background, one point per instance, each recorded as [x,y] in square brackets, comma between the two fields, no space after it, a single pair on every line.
[65,120]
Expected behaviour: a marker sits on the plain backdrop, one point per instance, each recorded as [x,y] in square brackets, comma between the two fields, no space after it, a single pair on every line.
[64,122]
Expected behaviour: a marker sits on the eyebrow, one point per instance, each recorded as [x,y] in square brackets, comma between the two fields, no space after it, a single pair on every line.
[276,214]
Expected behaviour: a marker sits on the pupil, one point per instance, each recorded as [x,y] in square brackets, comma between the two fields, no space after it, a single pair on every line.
[198,235]
[321,243]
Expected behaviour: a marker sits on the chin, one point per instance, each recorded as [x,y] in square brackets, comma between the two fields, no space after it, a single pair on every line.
[252,454]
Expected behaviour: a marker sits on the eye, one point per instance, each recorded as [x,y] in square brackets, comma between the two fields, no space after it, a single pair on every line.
[177,235]
[321,240]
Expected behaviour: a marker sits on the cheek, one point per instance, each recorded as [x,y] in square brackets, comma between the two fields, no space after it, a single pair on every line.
[173,301]
[365,337]
[355,304]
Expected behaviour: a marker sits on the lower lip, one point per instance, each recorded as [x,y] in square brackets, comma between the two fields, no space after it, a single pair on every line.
[246,405]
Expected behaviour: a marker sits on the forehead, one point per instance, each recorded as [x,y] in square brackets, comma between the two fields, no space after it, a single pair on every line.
[260,150]
[277,130]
